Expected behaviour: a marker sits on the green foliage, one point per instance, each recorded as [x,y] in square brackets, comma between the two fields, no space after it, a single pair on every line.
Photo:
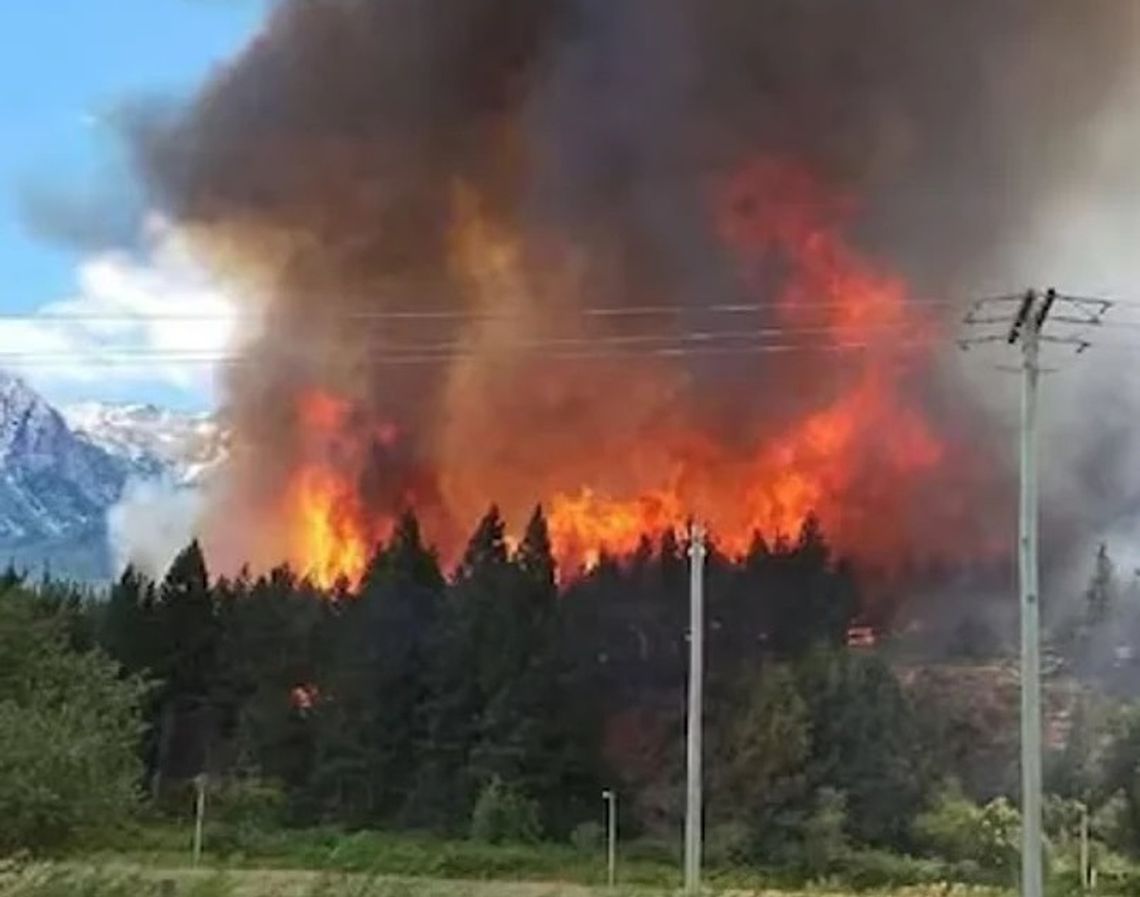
[959,830]
[247,802]
[1112,823]
[770,739]
[729,844]
[69,727]
[503,814]
[823,833]
[950,827]
[588,836]
[1120,782]
[864,743]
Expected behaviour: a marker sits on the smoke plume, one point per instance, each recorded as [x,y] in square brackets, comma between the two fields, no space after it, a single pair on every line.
[505,168]
[150,524]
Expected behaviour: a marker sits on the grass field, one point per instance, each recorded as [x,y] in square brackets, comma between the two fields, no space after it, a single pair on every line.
[156,860]
[80,880]
[648,864]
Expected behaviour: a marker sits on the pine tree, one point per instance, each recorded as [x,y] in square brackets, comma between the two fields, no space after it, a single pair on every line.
[371,729]
[864,742]
[127,627]
[186,636]
[187,625]
[1099,596]
[527,739]
[464,670]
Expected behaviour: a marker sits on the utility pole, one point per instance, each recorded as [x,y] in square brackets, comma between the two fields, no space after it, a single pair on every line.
[610,797]
[693,795]
[199,814]
[1025,330]
[1084,846]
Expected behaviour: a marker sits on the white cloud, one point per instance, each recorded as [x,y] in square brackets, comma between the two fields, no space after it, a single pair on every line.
[155,318]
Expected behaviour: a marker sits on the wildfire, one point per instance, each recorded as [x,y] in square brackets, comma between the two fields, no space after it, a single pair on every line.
[850,455]
[776,211]
[330,532]
[333,533]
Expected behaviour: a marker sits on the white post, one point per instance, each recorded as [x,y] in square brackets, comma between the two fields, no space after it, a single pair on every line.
[199,815]
[1031,859]
[611,836]
[1084,847]
[695,716]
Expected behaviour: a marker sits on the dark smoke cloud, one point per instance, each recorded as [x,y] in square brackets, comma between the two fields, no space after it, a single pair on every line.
[322,165]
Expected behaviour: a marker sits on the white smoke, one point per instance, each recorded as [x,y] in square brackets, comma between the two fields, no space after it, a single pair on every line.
[151,523]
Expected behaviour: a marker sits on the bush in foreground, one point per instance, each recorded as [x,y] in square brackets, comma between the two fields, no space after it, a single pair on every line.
[504,815]
[69,730]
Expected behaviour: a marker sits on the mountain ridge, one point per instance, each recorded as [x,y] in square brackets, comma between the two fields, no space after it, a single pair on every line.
[63,471]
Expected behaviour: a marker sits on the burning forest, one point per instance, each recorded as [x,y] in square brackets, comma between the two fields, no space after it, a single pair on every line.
[634,262]
[522,288]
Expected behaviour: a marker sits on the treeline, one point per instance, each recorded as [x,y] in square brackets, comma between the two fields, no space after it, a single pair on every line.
[492,701]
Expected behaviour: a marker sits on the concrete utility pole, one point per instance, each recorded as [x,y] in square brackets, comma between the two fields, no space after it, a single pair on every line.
[610,798]
[1025,330]
[693,791]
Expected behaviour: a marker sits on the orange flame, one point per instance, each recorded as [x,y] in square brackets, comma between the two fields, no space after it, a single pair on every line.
[332,532]
[329,534]
[838,298]
[853,459]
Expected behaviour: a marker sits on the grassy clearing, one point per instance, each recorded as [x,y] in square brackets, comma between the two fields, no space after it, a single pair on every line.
[69,880]
[401,856]
[65,880]
[363,864]
[386,854]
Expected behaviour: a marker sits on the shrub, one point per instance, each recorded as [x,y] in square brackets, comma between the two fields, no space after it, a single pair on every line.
[1112,823]
[824,840]
[999,836]
[246,802]
[882,869]
[958,830]
[504,814]
[69,726]
[588,836]
[729,844]
[950,827]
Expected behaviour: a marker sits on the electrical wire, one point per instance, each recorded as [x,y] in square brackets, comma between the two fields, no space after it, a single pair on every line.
[162,357]
[457,314]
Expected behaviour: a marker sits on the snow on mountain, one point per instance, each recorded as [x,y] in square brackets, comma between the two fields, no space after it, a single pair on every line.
[79,486]
[55,485]
[180,447]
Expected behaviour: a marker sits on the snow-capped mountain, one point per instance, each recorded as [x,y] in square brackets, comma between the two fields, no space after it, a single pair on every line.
[180,447]
[70,479]
[55,486]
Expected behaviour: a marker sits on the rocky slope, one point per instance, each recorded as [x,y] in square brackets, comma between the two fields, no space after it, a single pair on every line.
[62,471]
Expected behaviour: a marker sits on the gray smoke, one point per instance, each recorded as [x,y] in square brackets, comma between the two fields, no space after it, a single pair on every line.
[321,167]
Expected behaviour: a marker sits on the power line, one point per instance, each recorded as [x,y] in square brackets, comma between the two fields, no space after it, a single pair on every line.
[634,339]
[142,357]
[463,314]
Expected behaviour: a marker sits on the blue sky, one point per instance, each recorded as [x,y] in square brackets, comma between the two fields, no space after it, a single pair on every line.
[66,66]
